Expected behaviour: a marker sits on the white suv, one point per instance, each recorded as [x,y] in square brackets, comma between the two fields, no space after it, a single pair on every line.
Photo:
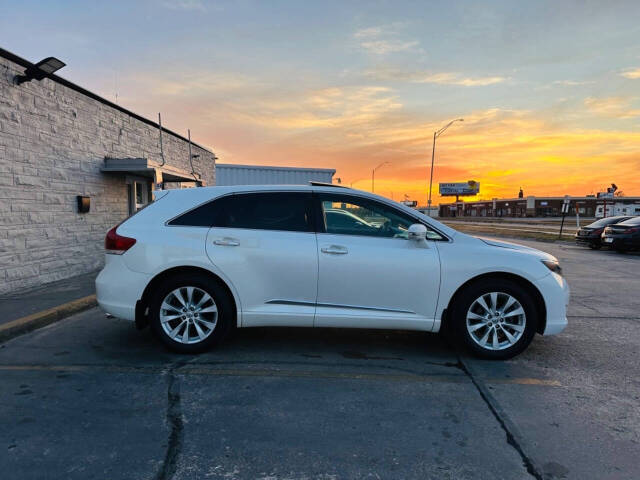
[198,262]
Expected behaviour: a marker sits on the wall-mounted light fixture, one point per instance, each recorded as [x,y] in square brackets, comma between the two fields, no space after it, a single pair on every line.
[84,203]
[40,70]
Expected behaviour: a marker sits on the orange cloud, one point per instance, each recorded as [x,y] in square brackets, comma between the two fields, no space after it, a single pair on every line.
[441,78]
[632,74]
[616,107]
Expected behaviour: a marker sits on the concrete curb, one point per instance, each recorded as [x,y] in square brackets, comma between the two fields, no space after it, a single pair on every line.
[46,317]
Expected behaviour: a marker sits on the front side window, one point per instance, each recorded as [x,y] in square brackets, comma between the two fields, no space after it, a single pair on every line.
[348,215]
[288,211]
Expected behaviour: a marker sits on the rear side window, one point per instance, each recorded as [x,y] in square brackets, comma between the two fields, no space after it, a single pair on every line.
[288,211]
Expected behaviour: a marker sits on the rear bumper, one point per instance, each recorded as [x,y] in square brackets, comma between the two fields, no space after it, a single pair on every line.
[118,288]
[621,241]
[555,292]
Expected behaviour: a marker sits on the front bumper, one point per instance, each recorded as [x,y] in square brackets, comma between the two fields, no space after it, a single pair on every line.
[555,292]
[118,288]
[587,240]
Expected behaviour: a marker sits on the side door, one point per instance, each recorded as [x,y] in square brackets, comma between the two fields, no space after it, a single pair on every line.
[370,274]
[265,244]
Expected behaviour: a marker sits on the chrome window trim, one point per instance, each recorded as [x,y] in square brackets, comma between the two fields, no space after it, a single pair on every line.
[445,238]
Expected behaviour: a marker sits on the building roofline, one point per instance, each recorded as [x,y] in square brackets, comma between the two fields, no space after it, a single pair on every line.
[271,167]
[12,57]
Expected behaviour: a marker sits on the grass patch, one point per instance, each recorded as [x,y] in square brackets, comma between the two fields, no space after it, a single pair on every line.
[506,232]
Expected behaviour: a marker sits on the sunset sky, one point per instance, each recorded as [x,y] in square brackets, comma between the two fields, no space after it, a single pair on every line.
[549,91]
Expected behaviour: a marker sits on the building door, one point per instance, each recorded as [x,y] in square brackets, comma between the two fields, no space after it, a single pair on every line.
[139,194]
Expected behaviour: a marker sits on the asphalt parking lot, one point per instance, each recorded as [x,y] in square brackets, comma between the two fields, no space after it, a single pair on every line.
[91,397]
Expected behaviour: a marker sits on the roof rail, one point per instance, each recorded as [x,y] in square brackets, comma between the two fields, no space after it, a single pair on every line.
[324,184]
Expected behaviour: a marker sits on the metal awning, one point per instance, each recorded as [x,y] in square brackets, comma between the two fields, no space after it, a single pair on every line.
[143,168]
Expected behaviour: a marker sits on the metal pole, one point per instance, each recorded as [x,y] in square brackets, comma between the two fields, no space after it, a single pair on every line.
[433,153]
[373,174]
[160,130]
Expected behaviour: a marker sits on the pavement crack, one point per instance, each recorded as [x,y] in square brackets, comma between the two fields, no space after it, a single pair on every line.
[514,438]
[176,426]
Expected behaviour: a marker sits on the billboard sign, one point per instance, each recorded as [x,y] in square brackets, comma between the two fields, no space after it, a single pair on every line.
[460,189]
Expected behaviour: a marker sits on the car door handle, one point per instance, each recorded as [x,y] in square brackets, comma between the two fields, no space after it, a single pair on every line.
[335,250]
[227,242]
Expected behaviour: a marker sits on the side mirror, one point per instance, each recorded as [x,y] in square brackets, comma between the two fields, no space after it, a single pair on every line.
[417,232]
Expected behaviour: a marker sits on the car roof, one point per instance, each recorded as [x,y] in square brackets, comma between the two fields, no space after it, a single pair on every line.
[631,221]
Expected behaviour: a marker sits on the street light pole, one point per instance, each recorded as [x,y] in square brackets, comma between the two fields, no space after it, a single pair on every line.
[436,134]
[433,154]
[373,175]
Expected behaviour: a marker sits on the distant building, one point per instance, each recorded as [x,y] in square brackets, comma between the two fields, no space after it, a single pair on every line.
[230,174]
[432,212]
[532,206]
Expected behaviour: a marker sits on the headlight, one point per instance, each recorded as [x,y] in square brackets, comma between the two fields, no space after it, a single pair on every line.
[553,265]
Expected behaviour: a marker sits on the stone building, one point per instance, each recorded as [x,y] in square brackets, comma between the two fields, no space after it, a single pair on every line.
[60,142]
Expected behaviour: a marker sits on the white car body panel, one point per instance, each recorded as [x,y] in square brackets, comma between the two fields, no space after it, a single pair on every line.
[285,279]
[118,289]
[466,258]
[274,272]
[364,288]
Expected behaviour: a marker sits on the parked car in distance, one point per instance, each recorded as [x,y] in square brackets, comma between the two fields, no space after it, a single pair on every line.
[199,262]
[591,235]
[623,236]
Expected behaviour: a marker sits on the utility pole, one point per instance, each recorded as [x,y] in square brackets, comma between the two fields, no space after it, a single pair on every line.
[436,134]
[373,175]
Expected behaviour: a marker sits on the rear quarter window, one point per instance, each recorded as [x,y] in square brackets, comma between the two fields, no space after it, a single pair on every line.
[287,211]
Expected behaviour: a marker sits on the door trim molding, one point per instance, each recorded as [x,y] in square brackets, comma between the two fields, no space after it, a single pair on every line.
[333,305]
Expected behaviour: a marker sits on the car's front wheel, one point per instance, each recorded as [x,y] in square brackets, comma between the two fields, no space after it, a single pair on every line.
[495,319]
[190,313]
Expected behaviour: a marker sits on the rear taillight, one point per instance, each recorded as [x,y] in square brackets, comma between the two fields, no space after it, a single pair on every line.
[117,244]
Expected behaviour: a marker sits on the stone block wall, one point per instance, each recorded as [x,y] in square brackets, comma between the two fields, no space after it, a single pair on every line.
[53,141]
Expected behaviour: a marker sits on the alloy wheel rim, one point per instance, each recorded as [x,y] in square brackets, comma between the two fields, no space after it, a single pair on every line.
[188,315]
[496,321]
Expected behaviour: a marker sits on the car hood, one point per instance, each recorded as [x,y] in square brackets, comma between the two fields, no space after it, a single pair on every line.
[518,248]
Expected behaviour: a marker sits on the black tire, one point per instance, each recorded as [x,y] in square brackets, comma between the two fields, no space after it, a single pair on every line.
[225,316]
[464,301]
[595,246]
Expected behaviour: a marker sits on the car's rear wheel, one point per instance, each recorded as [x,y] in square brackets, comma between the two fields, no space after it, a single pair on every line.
[495,319]
[190,313]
